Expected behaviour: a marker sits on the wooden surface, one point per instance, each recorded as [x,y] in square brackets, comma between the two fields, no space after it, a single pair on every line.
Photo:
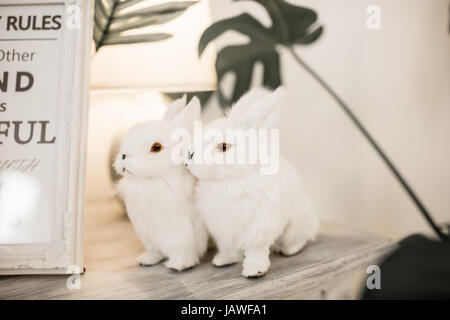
[325,269]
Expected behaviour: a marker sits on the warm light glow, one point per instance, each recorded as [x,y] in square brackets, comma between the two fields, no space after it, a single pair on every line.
[170,65]
[111,115]
[19,197]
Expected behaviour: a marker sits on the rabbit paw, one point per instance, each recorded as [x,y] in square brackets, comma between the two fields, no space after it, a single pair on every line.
[254,271]
[256,264]
[149,258]
[181,263]
[225,258]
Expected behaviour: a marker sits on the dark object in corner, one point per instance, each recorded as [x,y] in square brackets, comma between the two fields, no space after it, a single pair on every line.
[418,269]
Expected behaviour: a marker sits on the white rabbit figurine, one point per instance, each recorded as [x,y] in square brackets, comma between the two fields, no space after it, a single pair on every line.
[159,194]
[249,214]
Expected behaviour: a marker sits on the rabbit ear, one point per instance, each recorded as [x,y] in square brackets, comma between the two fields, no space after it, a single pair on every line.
[189,114]
[193,110]
[238,111]
[175,108]
[265,112]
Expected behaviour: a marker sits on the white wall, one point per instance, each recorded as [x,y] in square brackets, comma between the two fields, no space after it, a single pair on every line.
[397,80]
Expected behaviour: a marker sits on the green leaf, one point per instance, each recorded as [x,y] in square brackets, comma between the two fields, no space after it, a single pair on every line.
[290,25]
[126,4]
[158,9]
[243,23]
[120,25]
[115,19]
[120,39]
[241,60]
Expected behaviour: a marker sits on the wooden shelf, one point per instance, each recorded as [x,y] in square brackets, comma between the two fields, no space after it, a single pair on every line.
[325,269]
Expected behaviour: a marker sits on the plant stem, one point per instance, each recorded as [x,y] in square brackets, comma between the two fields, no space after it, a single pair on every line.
[374,144]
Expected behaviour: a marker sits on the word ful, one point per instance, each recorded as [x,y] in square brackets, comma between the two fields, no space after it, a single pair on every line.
[32,23]
[24,81]
[18,128]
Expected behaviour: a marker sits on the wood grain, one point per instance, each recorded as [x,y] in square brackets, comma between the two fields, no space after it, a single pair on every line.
[325,269]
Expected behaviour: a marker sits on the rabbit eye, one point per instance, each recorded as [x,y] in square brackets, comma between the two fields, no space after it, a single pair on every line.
[224,147]
[156,147]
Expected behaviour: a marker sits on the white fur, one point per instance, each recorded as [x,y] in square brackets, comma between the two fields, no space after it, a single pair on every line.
[159,194]
[249,214]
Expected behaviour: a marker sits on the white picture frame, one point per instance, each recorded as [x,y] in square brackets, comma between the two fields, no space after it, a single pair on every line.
[62,252]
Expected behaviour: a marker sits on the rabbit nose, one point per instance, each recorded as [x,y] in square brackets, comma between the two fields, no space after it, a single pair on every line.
[191,155]
[124,156]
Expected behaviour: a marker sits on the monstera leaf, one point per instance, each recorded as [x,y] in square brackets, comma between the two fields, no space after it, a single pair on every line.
[114,20]
[291,25]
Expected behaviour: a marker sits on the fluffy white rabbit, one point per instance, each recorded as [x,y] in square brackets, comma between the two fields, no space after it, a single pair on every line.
[249,214]
[159,193]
